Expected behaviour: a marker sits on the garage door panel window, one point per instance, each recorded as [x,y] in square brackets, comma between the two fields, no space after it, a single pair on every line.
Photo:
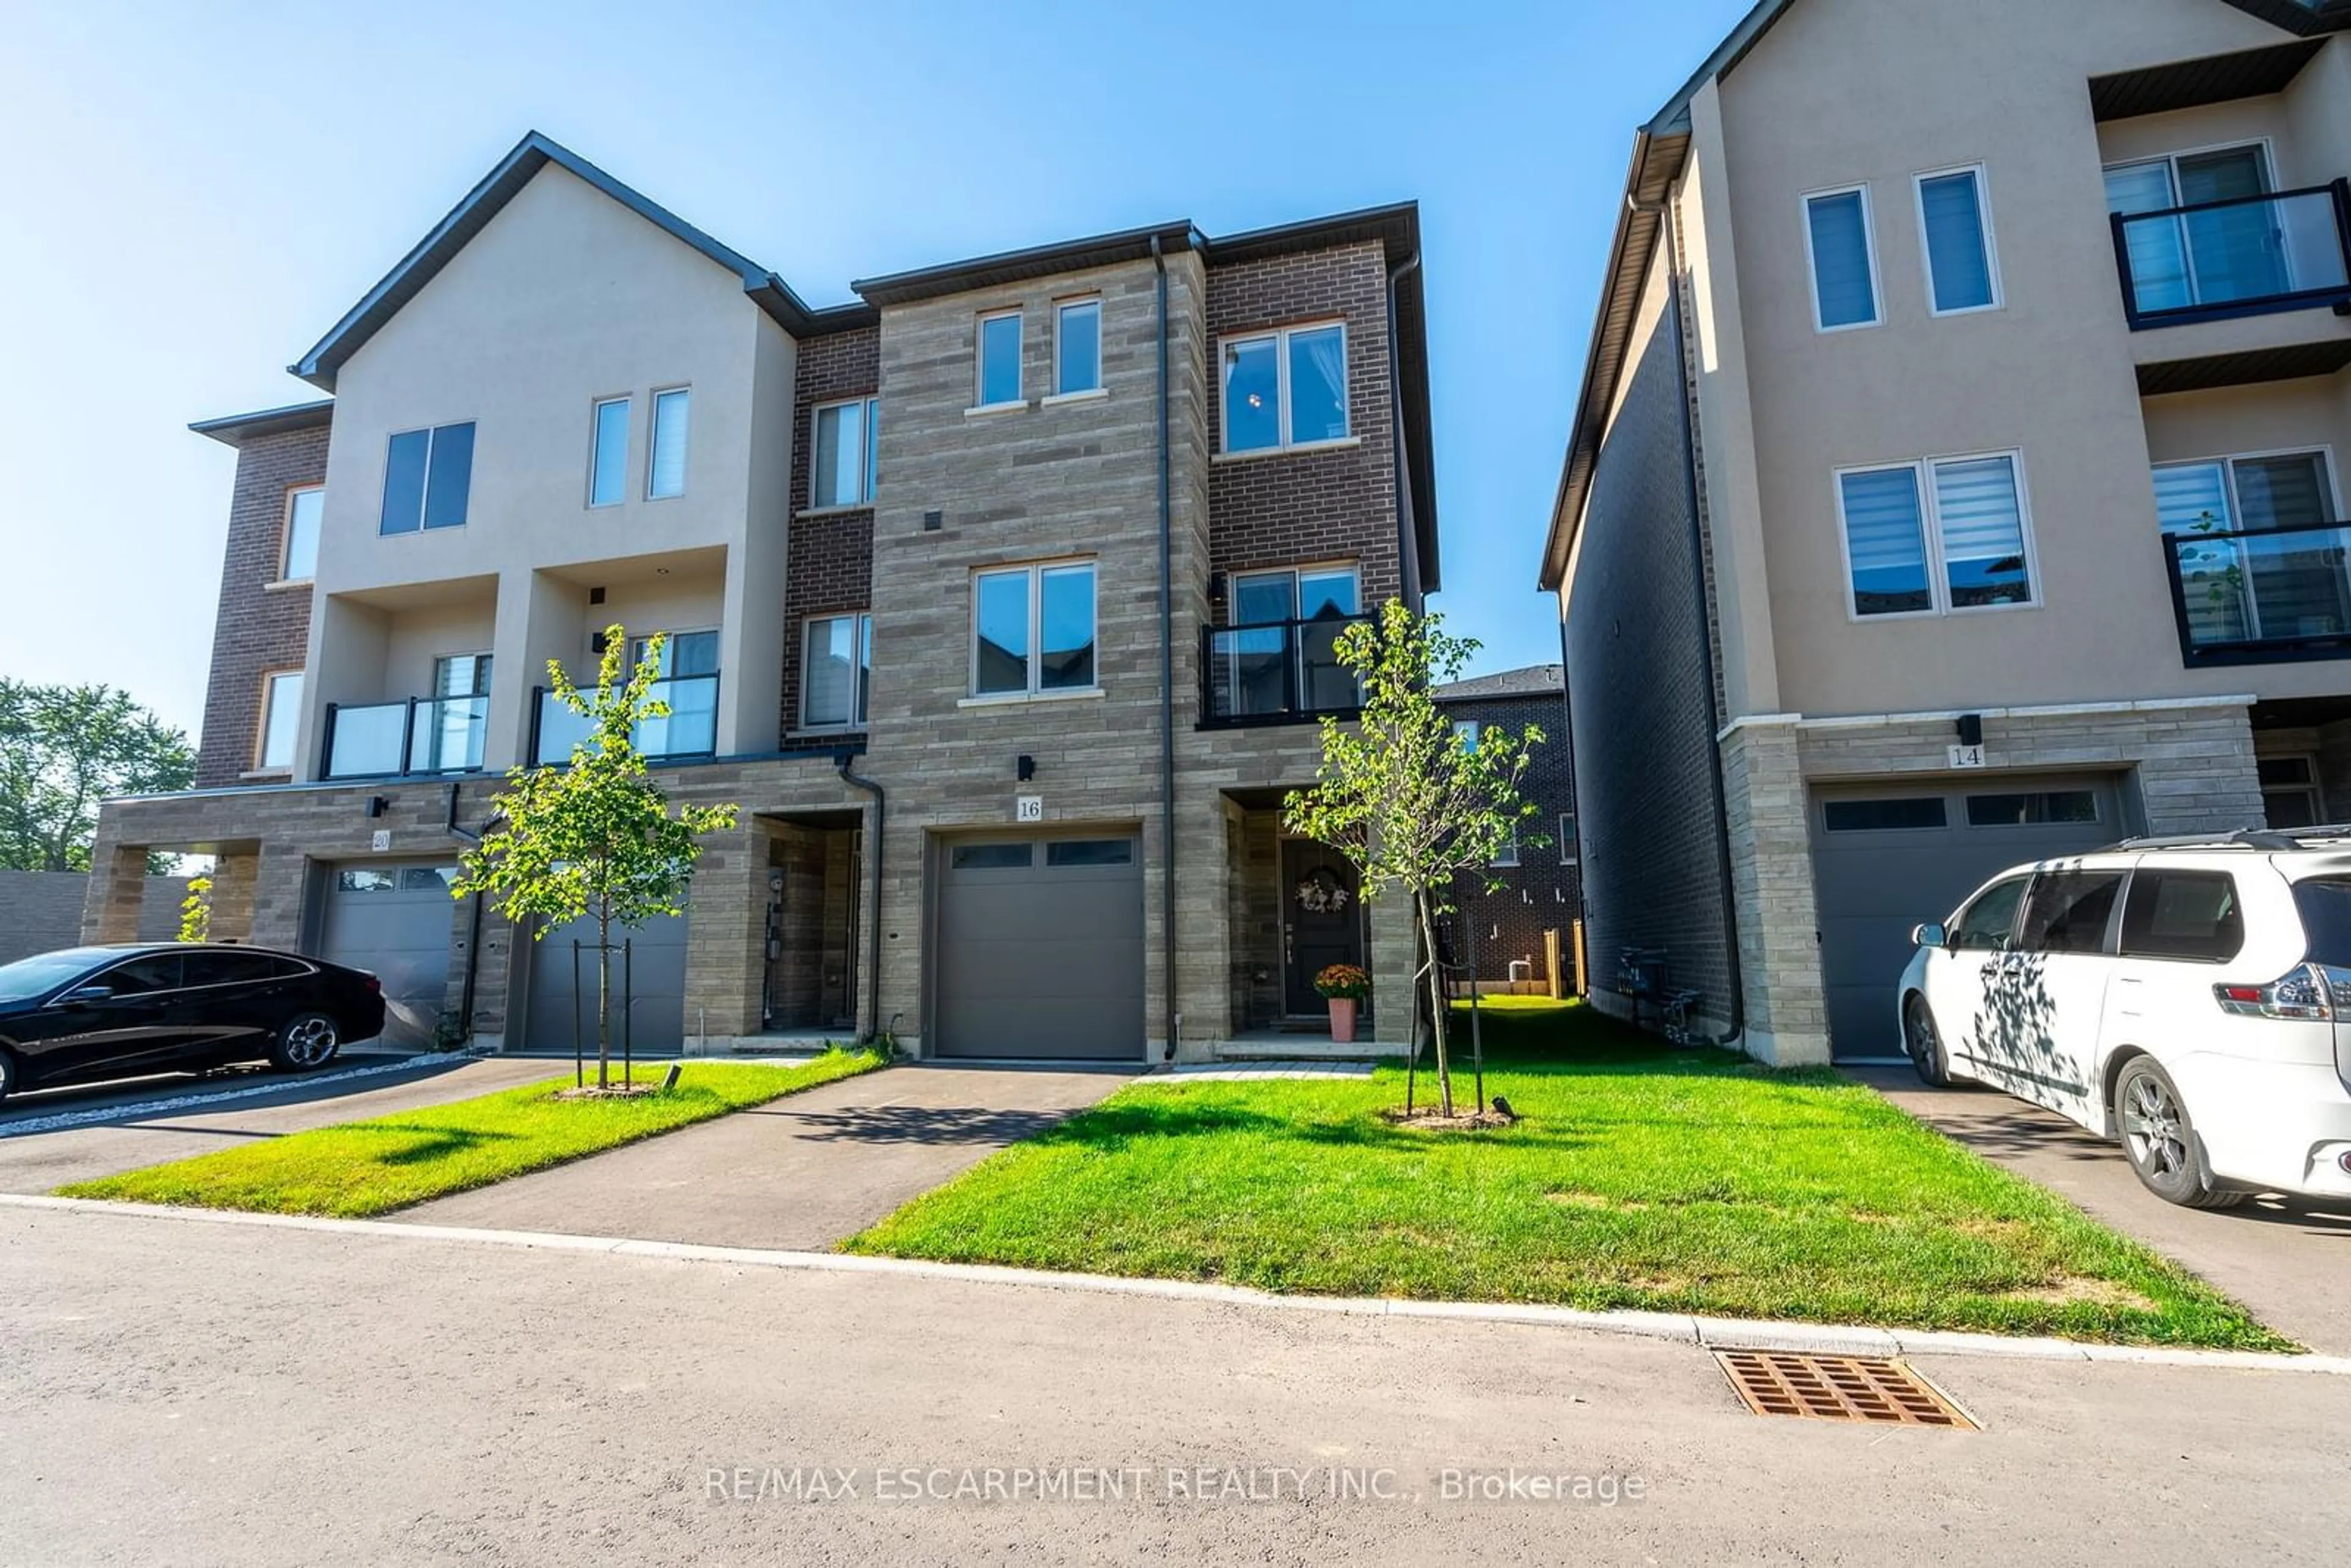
[1924,811]
[1075,853]
[2068,912]
[1987,925]
[2033,810]
[992,857]
[1937,536]
[2184,915]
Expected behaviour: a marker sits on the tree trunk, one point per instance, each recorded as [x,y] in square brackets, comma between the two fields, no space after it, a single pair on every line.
[1438,1004]
[604,995]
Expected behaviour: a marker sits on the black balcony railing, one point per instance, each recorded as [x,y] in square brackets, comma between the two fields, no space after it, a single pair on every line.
[412,736]
[2245,256]
[690,731]
[2262,596]
[1285,672]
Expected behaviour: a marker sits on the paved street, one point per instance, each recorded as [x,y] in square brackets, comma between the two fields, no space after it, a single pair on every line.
[2290,1261]
[202,1392]
[796,1173]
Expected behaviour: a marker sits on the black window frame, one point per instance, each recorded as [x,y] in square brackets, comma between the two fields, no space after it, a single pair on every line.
[2122,931]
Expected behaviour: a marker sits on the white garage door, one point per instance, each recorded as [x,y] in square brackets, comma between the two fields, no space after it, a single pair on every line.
[656,1001]
[1889,857]
[395,921]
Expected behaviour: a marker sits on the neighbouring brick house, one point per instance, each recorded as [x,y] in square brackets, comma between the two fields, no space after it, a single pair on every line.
[1002,600]
[1540,891]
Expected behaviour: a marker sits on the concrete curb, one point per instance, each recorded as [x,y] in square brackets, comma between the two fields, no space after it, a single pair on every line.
[1710,1334]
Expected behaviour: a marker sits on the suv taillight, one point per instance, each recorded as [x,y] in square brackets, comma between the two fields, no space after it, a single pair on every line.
[2302,994]
[375,985]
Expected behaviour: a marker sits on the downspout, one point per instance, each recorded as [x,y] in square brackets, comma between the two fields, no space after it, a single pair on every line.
[1174,1021]
[1664,213]
[874,895]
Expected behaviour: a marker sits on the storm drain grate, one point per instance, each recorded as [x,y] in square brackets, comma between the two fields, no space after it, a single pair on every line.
[1838,1389]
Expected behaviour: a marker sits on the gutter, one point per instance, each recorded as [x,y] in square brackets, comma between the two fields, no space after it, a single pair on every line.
[873,894]
[1664,213]
[1174,1024]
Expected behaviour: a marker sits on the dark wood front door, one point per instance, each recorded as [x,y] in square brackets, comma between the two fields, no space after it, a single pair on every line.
[1322,920]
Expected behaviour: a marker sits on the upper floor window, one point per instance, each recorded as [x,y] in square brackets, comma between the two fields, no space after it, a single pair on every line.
[665,472]
[837,672]
[2194,232]
[1033,630]
[1286,387]
[1927,539]
[608,460]
[306,507]
[1840,238]
[1955,221]
[1567,838]
[1077,346]
[281,717]
[844,470]
[1507,854]
[1301,593]
[1465,730]
[427,479]
[1000,359]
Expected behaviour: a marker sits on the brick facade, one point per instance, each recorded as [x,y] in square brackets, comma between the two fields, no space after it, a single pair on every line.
[1542,893]
[831,567]
[259,628]
[1287,509]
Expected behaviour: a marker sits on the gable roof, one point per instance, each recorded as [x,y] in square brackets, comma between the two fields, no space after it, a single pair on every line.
[1533,681]
[487,199]
[1659,149]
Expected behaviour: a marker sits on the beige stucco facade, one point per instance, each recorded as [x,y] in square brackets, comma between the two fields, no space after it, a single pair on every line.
[1834,95]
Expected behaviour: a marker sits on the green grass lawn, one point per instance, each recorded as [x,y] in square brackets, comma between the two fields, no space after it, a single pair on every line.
[1641,1177]
[373,1166]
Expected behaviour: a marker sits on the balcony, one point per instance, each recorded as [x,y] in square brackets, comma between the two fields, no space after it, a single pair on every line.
[415,736]
[2270,596]
[2248,256]
[1284,672]
[691,729]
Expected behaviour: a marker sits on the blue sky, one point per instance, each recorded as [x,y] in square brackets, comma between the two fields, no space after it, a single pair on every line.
[196,193]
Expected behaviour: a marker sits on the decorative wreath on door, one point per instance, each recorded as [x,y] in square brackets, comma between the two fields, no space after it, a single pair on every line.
[1322,893]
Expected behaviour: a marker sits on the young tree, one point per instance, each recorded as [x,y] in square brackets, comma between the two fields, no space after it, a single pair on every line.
[63,750]
[595,836]
[196,911]
[1399,793]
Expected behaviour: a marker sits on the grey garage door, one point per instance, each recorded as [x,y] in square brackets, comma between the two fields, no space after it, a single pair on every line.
[657,988]
[1888,857]
[394,920]
[1040,949]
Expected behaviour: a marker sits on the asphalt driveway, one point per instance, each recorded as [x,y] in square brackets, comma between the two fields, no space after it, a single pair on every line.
[50,1138]
[799,1173]
[2289,1261]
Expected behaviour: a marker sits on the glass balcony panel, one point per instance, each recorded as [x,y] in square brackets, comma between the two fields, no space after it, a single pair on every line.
[366,741]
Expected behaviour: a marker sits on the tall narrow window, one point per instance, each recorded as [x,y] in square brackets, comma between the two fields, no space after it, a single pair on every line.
[1286,389]
[1962,270]
[427,478]
[1935,537]
[1000,359]
[1844,259]
[281,717]
[607,464]
[1077,346]
[837,672]
[1033,630]
[665,473]
[845,468]
[304,508]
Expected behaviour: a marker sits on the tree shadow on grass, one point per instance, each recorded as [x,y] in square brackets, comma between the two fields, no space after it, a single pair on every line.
[432,1144]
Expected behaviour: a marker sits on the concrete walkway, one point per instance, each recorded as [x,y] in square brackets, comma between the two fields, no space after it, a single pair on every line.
[2288,1261]
[797,1173]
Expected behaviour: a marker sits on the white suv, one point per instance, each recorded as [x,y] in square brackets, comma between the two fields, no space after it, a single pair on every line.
[2191,997]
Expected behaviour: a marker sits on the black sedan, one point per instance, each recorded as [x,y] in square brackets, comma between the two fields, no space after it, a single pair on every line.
[88,1013]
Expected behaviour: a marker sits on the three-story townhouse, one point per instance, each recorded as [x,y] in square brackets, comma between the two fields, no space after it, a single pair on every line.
[1956,481]
[1000,600]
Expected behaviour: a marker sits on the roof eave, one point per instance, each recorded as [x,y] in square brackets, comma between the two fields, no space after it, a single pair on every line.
[237,429]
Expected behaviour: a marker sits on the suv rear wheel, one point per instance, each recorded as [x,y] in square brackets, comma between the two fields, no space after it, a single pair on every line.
[2160,1138]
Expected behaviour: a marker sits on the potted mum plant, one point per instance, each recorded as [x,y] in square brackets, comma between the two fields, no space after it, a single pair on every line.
[1343,985]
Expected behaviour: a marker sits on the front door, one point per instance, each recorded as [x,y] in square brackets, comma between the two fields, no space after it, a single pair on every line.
[1321,921]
